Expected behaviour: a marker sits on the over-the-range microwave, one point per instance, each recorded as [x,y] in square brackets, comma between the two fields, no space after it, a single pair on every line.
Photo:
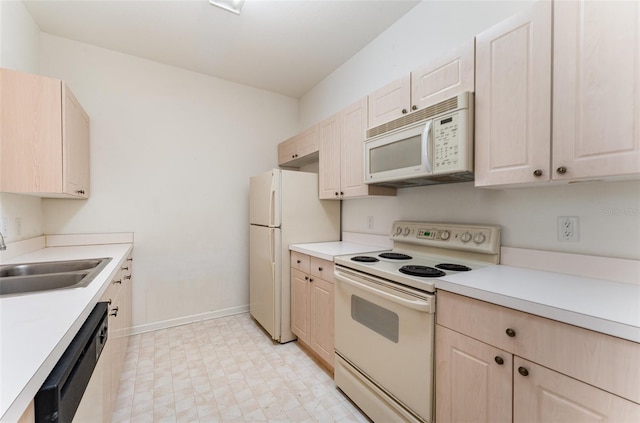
[433,145]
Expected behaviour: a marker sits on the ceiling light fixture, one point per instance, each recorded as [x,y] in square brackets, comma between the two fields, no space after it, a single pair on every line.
[230,5]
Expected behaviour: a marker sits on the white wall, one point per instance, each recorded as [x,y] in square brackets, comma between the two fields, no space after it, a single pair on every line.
[171,156]
[20,216]
[609,213]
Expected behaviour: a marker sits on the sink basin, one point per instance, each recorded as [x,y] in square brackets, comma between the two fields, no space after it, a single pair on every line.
[35,277]
[25,269]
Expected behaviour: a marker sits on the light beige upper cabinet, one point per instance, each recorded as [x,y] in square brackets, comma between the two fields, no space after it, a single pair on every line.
[594,101]
[596,89]
[513,99]
[441,78]
[299,149]
[45,137]
[529,367]
[343,136]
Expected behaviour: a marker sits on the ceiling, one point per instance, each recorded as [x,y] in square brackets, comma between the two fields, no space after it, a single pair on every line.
[284,46]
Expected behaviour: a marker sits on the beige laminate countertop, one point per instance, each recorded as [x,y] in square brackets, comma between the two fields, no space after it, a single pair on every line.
[36,328]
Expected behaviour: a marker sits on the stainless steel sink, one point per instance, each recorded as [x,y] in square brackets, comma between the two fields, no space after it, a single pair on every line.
[34,277]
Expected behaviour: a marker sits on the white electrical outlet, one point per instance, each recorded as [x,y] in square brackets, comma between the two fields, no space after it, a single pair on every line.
[568,228]
[370,222]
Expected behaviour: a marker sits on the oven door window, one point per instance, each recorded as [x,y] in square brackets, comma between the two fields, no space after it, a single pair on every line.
[376,318]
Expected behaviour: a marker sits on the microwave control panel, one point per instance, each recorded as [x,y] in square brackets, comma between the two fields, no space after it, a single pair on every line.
[450,146]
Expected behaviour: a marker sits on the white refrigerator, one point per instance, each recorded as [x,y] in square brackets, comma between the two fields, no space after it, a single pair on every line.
[284,209]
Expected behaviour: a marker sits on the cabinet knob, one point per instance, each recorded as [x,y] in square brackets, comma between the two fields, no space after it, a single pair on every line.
[310,279]
[129,259]
[341,193]
[80,191]
[404,111]
[114,312]
[511,333]
[499,360]
[118,281]
[537,172]
[414,107]
[124,268]
[337,193]
[523,371]
[561,170]
[298,261]
[127,277]
[319,269]
[306,278]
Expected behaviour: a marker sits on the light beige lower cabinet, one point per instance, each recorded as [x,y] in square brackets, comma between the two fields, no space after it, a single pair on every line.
[495,364]
[312,304]
[99,399]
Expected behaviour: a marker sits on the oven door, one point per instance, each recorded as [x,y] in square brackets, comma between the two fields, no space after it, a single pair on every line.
[384,334]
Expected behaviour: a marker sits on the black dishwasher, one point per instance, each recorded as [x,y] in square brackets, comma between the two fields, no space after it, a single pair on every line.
[60,394]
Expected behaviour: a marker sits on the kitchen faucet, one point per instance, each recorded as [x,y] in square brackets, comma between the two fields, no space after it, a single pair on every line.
[3,246]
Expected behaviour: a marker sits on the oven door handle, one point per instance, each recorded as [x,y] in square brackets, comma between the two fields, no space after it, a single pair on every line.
[420,305]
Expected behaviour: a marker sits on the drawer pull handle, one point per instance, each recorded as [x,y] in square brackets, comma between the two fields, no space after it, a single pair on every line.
[499,360]
[511,333]
[523,371]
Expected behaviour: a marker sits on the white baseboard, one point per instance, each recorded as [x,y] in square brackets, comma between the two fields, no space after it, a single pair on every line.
[150,327]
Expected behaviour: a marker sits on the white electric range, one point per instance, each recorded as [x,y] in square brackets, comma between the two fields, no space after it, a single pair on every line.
[385,314]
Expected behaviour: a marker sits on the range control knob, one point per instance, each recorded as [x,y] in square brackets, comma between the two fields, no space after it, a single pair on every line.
[445,235]
[406,231]
[479,238]
[465,237]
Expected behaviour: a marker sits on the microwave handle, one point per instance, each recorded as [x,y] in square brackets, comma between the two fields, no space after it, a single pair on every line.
[426,142]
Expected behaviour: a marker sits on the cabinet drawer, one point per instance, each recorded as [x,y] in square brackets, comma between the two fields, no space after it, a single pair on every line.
[300,261]
[601,360]
[321,268]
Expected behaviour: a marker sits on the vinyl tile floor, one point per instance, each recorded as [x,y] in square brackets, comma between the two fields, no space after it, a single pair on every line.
[225,370]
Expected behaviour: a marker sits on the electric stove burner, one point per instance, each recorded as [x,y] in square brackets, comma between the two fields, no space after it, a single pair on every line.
[453,267]
[395,256]
[423,271]
[364,259]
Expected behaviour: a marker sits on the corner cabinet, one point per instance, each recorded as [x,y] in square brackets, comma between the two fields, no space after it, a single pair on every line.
[44,137]
[299,150]
[312,305]
[531,369]
[341,161]
[573,63]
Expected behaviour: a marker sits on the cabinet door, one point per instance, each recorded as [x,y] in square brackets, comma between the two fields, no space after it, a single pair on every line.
[322,307]
[353,124]
[473,380]
[444,77]
[596,88]
[31,131]
[513,99]
[75,146]
[300,306]
[307,142]
[329,158]
[542,395]
[286,151]
[389,102]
